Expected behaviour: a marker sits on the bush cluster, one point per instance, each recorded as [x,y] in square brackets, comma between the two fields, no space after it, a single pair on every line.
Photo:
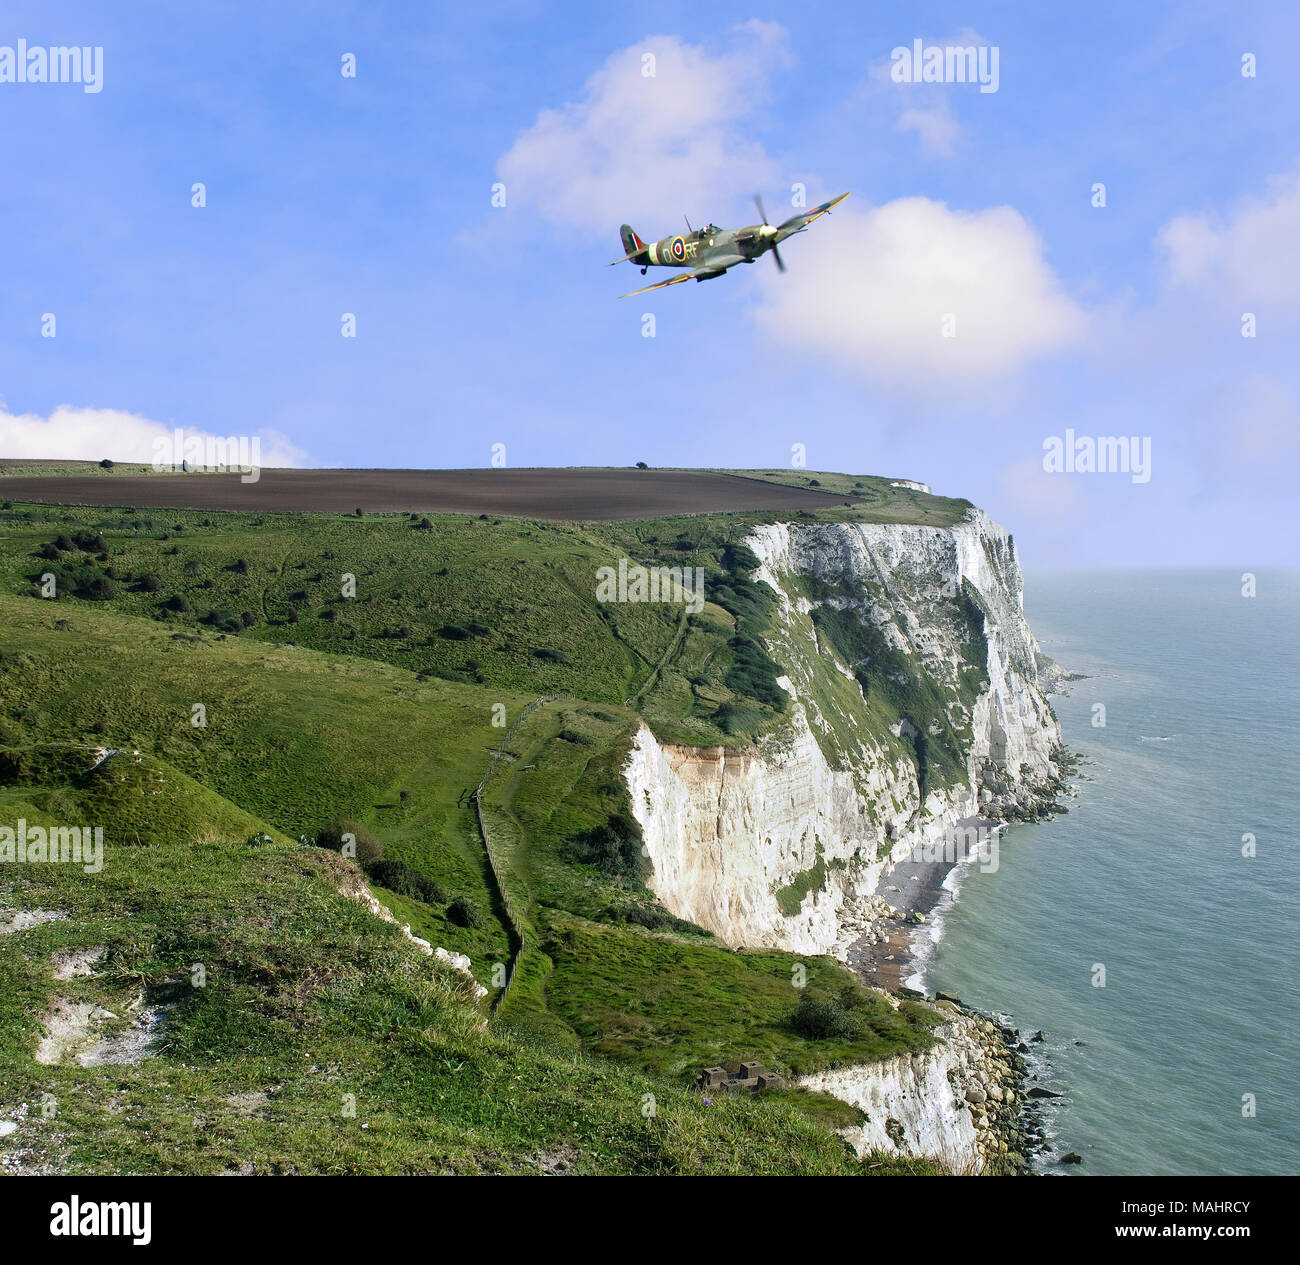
[368,847]
[465,913]
[613,848]
[399,877]
[824,1019]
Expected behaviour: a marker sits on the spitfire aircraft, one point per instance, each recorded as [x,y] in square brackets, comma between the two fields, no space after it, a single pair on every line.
[708,252]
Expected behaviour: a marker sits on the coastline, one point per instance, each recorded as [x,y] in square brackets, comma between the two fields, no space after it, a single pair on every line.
[893,956]
[920,893]
[1012,1121]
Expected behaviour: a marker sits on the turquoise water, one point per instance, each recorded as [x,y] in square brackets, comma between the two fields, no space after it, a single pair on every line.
[1201,1003]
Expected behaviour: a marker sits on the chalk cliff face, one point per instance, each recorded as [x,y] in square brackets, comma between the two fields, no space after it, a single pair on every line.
[784,844]
[956,1102]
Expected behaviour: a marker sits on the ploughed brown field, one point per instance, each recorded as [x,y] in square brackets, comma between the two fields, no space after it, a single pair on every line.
[553,494]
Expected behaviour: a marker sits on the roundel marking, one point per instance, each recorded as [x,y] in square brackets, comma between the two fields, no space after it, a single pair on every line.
[677,248]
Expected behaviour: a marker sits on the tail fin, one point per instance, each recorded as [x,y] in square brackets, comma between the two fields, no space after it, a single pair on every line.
[633,247]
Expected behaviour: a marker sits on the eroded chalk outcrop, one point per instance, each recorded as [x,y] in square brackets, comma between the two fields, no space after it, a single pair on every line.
[957,1103]
[785,844]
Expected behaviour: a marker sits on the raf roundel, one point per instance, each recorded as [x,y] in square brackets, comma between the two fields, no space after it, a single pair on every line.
[678,249]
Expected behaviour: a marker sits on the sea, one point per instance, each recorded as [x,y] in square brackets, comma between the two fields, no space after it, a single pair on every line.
[1151,932]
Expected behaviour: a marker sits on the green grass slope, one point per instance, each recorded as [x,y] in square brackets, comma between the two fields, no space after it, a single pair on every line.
[317,1040]
[241,736]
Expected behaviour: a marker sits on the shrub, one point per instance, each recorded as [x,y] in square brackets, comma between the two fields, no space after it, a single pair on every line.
[399,877]
[738,557]
[921,745]
[465,913]
[223,620]
[550,656]
[823,1019]
[754,674]
[177,603]
[103,589]
[14,766]
[853,998]
[653,918]
[367,846]
[151,583]
[749,602]
[613,848]
[84,581]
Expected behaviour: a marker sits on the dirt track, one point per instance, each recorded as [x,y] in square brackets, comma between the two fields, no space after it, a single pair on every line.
[553,494]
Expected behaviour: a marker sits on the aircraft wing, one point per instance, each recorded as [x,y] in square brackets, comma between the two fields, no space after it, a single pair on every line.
[797,223]
[714,268]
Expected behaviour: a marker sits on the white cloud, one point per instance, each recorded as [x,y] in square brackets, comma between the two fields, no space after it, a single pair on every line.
[923,108]
[871,289]
[91,434]
[935,125]
[1250,256]
[646,149]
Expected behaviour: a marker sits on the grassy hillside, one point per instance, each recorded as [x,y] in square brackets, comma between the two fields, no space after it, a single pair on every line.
[319,1041]
[254,709]
[871,498]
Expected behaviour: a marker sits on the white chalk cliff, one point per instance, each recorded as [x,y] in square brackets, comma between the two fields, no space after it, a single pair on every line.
[822,804]
[785,843]
[944,1103]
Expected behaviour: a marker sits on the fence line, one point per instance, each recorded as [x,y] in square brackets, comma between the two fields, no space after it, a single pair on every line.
[516,924]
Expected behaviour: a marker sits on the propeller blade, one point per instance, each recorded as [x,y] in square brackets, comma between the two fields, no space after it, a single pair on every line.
[780,263]
[761,213]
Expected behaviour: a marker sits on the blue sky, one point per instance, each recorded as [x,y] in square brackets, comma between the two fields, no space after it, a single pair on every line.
[479,324]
